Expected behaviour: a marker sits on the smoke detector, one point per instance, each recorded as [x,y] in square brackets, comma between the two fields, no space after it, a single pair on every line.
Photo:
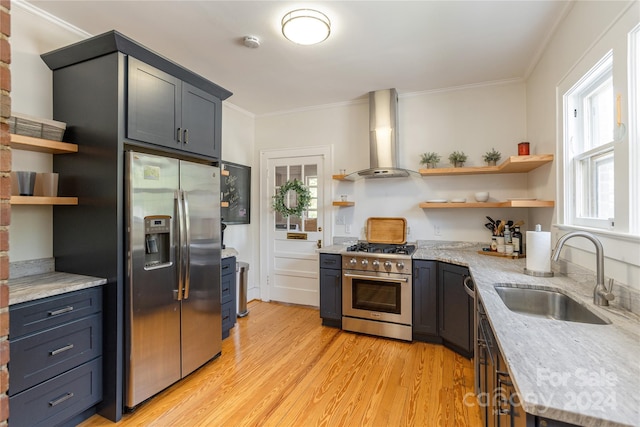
[252,42]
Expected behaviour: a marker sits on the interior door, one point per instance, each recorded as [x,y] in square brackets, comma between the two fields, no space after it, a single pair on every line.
[292,274]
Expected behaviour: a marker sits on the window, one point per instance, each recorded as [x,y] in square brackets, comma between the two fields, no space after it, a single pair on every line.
[600,138]
[589,147]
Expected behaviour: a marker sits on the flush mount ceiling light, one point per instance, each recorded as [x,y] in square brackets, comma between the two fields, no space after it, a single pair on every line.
[306,26]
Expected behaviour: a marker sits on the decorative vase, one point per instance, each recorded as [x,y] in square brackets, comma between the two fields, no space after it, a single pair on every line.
[431,165]
[458,164]
[491,162]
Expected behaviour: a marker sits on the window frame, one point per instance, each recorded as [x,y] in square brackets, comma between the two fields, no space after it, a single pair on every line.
[624,41]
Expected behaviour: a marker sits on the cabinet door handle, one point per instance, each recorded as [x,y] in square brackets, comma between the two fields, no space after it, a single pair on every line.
[179,135]
[61,350]
[61,311]
[186,136]
[467,288]
[61,399]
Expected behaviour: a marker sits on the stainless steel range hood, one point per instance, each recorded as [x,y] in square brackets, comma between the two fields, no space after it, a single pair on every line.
[383,138]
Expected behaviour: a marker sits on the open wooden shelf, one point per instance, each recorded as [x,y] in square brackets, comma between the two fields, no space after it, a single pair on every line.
[39,200]
[507,204]
[513,164]
[339,177]
[343,204]
[224,172]
[28,143]
[224,204]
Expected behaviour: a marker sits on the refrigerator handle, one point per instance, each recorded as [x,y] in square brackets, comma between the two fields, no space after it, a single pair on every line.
[177,197]
[187,224]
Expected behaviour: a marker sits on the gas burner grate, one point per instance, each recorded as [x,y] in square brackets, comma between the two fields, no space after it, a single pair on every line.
[379,248]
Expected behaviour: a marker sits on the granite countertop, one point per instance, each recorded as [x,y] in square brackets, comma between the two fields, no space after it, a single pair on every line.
[579,373]
[228,253]
[30,288]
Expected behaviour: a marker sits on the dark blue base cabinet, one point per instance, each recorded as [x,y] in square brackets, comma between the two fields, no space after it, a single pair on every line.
[442,310]
[55,359]
[331,290]
[228,289]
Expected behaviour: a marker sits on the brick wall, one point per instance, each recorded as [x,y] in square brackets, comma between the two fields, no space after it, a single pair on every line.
[5,206]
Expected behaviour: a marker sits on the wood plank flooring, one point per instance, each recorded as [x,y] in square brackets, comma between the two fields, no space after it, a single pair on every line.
[280,367]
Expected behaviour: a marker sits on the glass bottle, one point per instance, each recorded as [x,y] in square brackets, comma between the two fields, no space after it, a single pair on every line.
[516,239]
[507,235]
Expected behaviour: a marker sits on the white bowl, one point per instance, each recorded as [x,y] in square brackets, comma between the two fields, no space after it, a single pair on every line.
[481,196]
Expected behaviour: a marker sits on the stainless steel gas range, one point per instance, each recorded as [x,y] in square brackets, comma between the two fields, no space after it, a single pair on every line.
[377,290]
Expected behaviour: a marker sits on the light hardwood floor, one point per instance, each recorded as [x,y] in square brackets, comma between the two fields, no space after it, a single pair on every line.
[280,367]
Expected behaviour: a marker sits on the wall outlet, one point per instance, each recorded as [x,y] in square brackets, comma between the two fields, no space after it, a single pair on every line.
[347,228]
[436,230]
[339,220]
[408,231]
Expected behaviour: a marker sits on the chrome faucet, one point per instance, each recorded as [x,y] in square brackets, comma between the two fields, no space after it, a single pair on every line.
[601,295]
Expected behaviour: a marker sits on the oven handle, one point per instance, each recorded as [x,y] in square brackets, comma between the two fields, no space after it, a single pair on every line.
[381,279]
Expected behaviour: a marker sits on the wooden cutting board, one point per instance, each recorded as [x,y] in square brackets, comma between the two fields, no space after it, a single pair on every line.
[387,230]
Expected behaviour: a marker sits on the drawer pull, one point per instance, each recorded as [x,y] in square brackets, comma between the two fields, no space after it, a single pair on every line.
[61,350]
[61,399]
[61,311]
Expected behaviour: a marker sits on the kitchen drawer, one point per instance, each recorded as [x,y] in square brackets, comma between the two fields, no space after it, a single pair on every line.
[33,316]
[59,399]
[228,266]
[332,261]
[228,317]
[38,357]
[228,287]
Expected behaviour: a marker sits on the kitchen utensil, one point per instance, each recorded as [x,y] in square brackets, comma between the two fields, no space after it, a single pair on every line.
[490,220]
[387,230]
[489,226]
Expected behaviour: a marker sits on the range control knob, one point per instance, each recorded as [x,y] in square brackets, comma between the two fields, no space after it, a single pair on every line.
[364,263]
[353,262]
[400,265]
[387,265]
[375,263]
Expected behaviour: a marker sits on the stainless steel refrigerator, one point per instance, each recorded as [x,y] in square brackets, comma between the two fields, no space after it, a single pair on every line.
[172,296]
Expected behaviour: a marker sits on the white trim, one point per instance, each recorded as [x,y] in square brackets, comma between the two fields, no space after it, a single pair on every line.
[28,7]
[633,128]
[610,234]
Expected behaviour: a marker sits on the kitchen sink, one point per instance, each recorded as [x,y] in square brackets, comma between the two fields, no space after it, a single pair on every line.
[550,304]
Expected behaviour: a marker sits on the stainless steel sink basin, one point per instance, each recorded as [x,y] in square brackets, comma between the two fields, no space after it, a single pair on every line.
[545,303]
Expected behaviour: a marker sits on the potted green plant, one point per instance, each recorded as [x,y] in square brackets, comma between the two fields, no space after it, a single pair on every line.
[457,158]
[430,159]
[492,157]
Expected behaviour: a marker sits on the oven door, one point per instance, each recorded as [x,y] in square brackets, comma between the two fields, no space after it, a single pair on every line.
[384,297]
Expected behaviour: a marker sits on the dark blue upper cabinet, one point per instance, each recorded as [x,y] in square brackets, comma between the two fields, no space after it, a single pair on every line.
[166,104]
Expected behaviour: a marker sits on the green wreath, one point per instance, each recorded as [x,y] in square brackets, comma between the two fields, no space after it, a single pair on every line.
[304,199]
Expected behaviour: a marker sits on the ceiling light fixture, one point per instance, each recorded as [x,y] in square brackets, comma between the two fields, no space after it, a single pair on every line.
[306,26]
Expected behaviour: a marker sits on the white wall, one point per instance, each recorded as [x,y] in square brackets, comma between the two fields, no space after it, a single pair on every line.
[238,134]
[472,119]
[31,232]
[570,43]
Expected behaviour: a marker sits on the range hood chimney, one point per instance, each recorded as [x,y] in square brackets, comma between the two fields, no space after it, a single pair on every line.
[383,138]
